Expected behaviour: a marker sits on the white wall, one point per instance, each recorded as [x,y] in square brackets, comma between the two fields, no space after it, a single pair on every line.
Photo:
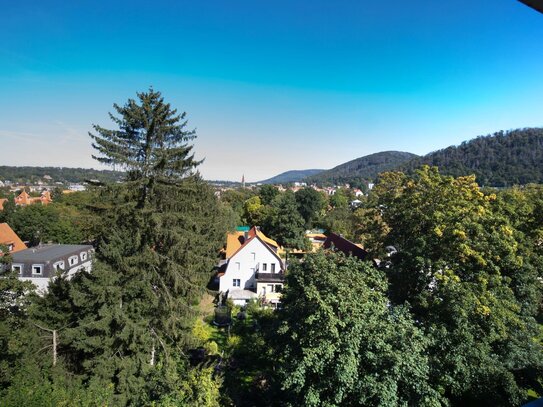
[42,283]
[247,265]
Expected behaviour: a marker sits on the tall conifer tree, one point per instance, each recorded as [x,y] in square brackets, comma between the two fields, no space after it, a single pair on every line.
[154,257]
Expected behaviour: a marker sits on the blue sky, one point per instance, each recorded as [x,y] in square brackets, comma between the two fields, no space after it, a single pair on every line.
[269,86]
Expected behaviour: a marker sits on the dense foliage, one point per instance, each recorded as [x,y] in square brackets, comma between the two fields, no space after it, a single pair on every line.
[471,278]
[341,344]
[501,159]
[449,317]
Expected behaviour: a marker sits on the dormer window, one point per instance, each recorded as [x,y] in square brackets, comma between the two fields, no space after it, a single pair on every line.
[83,256]
[18,268]
[37,269]
[72,261]
[59,265]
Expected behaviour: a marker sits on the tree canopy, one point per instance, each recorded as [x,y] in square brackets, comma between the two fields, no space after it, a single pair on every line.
[340,344]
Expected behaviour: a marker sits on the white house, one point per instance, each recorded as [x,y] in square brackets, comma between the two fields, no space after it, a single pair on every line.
[40,264]
[253,270]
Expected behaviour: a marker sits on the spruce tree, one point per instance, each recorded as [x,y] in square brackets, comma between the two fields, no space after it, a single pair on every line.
[163,228]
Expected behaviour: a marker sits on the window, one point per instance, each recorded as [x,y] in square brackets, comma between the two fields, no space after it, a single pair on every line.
[17,268]
[278,288]
[271,288]
[238,266]
[236,282]
[253,255]
[264,266]
[273,267]
[10,248]
[83,256]
[59,266]
[37,269]
[72,260]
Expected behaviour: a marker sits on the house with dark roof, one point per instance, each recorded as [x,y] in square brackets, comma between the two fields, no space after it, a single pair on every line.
[41,264]
[253,268]
[340,244]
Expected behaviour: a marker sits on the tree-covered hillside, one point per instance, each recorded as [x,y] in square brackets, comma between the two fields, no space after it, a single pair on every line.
[60,174]
[291,176]
[363,169]
[502,159]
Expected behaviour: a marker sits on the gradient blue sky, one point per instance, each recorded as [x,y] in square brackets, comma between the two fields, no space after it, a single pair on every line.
[269,85]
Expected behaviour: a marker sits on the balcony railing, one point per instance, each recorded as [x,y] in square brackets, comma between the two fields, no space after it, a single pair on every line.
[275,277]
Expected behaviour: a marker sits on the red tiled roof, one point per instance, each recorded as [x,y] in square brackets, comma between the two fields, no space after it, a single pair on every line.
[9,237]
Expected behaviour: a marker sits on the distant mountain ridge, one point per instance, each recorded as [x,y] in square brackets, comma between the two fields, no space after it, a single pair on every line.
[501,159]
[291,176]
[363,169]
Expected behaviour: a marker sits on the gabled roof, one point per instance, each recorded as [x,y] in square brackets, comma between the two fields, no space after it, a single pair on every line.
[263,237]
[339,243]
[9,237]
[236,239]
[257,235]
[23,198]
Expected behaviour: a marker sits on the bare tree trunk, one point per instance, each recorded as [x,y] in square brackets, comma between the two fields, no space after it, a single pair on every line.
[55,341]
[152,361]
[54,347]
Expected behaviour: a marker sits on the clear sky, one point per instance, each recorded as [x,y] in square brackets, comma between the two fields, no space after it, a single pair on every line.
[269,85]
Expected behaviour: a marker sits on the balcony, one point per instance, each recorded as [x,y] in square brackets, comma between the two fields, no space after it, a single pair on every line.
[270,277]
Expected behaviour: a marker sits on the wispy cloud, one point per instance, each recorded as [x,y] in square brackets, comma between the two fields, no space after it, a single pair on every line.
[70,133]
[19,135]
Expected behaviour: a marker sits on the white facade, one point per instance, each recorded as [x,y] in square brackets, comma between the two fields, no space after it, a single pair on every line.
[42,283]
[40,264]
[255,256]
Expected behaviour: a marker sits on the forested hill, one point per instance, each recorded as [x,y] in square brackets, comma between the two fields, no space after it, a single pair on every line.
[290,176]
[501,159]
[57,174]
[363,169]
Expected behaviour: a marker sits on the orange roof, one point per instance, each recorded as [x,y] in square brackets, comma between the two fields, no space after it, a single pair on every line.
[258,235]
[23,198]
[237,239]
[46,197]
[234,241]
[2,203]
[254,231]
[9,237]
